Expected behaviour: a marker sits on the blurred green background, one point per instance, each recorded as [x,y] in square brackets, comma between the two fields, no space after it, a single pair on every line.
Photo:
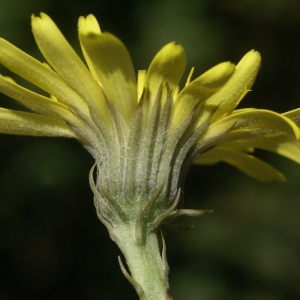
[51,244]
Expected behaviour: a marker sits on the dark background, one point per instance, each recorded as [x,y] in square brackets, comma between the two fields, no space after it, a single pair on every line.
[51,244]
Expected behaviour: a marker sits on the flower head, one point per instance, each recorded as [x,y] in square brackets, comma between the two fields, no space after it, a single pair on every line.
[144,133]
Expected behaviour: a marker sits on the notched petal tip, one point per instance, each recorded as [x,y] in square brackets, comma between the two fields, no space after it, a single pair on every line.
[42,24]
[34,19]
[42,17]
[88,25]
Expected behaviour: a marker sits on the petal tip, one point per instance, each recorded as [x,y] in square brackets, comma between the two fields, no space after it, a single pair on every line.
[88,25]
[253,56]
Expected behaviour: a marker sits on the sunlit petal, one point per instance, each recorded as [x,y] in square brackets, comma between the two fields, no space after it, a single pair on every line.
[111,65]
[244,162]
[32,70]
[282,144]
[36,102]
[255,122]
[23,123]
[200,90]
[167,66]
[68,65]
[239,84]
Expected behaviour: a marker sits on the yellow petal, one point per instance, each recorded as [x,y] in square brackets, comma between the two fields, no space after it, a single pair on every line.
[167,66]
[246,163]
[200,89]
[88,25]
[85,25]
[256,122]
[239,84]
[111,65]
[23,123]
[36,102]
[260,129]
[68,65]
[281,144]
[32,70]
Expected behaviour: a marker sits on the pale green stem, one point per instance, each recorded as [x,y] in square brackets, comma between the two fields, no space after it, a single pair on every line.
[144,260]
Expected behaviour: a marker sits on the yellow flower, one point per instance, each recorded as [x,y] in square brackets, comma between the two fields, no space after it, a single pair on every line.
[144,133]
